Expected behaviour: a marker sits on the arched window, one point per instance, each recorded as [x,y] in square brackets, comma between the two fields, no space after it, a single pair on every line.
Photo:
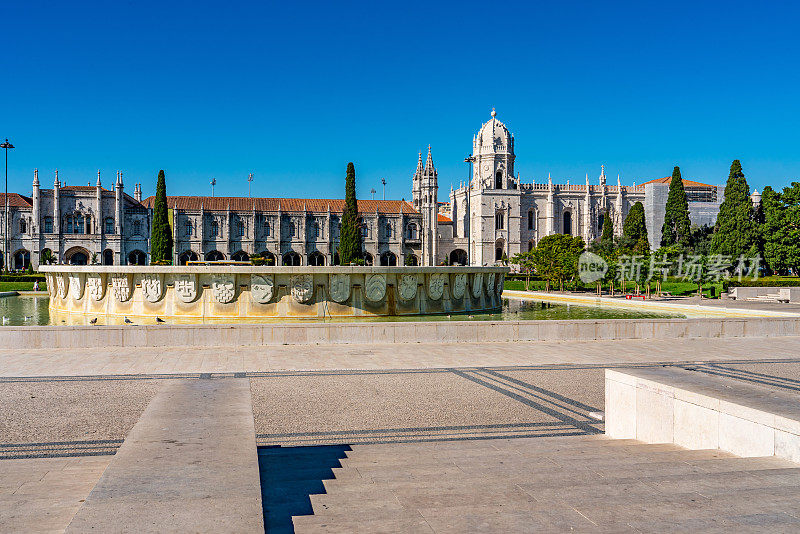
[316,259]
[411,260]
[214,229]
[498,221]
[109,224]
[568,223]
[458,257]
[137,257]
[23,226]
[388,259]
[21,260]
[79,224]
[239,228]
[412,231]
[187,227]
[108,257]
[292,229]
[314,230]
[530,220]
[240,256]
[187,256]
[48,225]
[137,230]
[367,258]
[215,255]
[291,258]
[364,230]
[388,230]
[498,180]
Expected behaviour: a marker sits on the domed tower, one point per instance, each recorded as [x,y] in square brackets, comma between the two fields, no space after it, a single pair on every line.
[493,153]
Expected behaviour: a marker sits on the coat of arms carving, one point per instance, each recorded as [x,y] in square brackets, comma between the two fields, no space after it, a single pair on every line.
[458,286]
[76,285]
[95,286]
[152,287]
[121,285]
[302,287]
[477,284]
[436,286]
[262,287]
[224,288]
[375,286]
[186,287]
[339,287]
[408,286]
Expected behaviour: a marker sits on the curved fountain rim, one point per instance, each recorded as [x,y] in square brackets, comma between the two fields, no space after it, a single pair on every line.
[259,269]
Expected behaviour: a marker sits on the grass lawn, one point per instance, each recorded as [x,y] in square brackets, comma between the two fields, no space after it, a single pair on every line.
[676,288]
[21,286]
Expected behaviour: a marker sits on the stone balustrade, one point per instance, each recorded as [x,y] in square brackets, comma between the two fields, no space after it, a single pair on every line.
[244,293]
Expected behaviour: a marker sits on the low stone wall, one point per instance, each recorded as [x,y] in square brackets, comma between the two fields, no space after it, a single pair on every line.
[73,337]
[200,294]
[698,411]
[785,294]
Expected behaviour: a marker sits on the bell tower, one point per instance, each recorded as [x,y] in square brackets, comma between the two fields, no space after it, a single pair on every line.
[493,153]
[428,205]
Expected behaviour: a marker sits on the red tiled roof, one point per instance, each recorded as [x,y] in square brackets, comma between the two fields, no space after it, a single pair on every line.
[81,188]
[15,200]
[317,205]
[443,219]
[686,183]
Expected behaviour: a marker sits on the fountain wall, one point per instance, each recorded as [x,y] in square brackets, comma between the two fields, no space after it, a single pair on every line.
[249,293]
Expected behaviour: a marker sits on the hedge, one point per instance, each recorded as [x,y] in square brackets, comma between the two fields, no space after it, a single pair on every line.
[22,278]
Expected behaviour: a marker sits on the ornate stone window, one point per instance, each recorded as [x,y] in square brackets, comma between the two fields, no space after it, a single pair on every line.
[499,221]
[109,224]
[531,220]
[214,229]
[498,180]
[48,225]
[412,232]
[23,226]
[187,225]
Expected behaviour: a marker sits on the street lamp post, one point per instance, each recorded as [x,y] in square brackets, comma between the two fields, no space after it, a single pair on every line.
[383,181]
[469,159]
[6,241]
[249,181]
[213,183]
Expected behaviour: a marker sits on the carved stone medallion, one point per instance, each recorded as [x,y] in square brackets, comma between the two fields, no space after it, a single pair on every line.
[152,287]
[76,284]
[186,287]
[261,287]
[458,285]
[339,287]
[407,288]
[121,285]
[224,288]
[435,286]
[95,285]
[490,289]
[302,287]
[477,284]
[61,283]
[375,287]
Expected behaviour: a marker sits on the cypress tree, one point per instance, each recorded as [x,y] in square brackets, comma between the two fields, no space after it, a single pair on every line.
[608,229]
[161,233]
[676,229]
[735,233]
[350,241]
[635,228]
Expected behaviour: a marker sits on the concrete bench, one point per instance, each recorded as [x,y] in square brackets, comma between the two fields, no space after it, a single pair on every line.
[700,411]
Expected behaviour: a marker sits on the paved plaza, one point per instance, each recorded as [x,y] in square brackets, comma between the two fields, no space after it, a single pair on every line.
[491,406]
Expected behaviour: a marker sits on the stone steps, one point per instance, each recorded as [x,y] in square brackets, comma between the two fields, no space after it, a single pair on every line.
[551,484]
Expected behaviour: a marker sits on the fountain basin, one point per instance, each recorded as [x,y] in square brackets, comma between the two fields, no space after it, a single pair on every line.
[225,293]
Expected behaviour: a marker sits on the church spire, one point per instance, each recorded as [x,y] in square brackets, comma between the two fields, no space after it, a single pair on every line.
[419,165]
[429,160]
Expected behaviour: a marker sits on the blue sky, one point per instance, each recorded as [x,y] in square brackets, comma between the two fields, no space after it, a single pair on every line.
[293,91]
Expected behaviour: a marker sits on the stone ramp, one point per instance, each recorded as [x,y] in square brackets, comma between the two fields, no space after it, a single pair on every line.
[558,484]
[188,465]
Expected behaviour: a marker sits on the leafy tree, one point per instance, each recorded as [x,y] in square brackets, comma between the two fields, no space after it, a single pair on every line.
[635,229]
[526,263]
[350,240]
[161,233]
[676,228]
[608,229]
[701,239]
[556,258]
[47,257]
[735,233]
[781,228]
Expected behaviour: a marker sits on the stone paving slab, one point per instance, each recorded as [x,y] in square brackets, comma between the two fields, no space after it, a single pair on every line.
[188,465]
[43,494]
[21,362]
